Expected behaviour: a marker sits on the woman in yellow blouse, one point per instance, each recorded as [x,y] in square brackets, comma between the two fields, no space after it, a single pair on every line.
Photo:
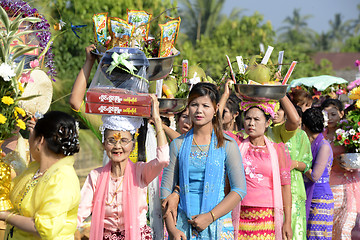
[46,196]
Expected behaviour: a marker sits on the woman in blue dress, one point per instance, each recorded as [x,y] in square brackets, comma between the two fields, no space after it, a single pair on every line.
[200,160]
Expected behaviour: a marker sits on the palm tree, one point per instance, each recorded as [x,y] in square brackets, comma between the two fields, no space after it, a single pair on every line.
[200,17]
[296,31]
[321,42]
[339,32]
[356,23]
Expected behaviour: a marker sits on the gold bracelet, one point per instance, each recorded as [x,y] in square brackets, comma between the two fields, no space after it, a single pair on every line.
[297,164]
[212,215]
[8,217]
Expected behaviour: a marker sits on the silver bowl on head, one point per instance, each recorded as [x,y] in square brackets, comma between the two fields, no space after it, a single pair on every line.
[172,105]
[160,67]
[256,92]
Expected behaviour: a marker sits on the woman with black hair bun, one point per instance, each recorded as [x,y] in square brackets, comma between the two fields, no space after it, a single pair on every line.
[344,183]
[46,196]
[320,200]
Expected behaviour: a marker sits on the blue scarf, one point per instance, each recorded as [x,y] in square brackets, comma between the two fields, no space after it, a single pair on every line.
[214,175]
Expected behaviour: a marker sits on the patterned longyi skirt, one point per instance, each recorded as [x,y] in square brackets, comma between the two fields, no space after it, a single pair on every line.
[256,223]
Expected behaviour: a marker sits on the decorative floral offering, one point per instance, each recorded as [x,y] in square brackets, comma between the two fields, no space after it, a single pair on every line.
[15,8]
[13,76]
[348,134]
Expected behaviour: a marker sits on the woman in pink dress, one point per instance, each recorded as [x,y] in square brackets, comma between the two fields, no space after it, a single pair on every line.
[115,195]
[267,172]
[344,183]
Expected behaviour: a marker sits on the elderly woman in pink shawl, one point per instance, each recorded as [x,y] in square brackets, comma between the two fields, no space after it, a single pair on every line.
[115,194]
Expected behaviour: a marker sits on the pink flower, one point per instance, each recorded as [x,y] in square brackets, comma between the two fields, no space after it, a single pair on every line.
[357,63]
[340,92]
[26,78]
[34,64]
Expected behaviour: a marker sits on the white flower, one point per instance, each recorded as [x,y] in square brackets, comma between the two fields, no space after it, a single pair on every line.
[352,132]
[339,131]
[346,134]
[326,119]
[6,72]
[358,129]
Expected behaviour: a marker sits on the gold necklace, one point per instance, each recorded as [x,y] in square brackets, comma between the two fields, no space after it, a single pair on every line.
[197,145]
[115,193]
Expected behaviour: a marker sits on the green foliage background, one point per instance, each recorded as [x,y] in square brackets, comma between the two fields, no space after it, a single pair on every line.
[218,35]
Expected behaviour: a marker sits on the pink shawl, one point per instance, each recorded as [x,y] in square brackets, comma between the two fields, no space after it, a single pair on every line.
[130,203]
[278,202]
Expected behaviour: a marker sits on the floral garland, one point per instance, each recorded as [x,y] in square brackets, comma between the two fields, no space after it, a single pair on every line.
[15,7]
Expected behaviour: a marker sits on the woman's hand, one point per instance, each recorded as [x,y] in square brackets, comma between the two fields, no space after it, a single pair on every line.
[201,221]
[170,206]
[176,234]
[30,124]
[90,57]
[228,85]
[155,114]
[293,165]
[3,215]
[287,231]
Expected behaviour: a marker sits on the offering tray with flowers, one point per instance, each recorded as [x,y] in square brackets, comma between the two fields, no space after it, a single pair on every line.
[348,133]
[134,32]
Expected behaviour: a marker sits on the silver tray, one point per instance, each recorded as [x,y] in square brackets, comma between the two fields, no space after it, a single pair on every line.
[160,67]
[351,160]
[172,105]
[260,92]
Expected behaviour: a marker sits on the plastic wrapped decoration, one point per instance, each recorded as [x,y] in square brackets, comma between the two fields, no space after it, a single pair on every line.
[129,72]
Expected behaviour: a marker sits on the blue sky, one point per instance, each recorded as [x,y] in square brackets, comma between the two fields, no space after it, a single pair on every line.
[277,10]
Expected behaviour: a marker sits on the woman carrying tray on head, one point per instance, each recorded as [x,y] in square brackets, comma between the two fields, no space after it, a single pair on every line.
[344,183]
[279,133]
[115,194]
[200,161]
[267,170]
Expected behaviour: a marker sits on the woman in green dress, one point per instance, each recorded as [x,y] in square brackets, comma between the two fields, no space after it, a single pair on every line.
[300,149]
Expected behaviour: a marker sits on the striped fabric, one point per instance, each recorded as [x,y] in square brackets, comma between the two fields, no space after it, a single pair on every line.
[256,223]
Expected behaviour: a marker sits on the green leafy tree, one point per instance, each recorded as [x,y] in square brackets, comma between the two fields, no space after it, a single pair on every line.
[352,44]
[356,22]
[339,32]
[296,30]
[321,42]
[200,17]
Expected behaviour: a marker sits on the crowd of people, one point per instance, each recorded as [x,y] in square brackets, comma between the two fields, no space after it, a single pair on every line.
[234,169]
